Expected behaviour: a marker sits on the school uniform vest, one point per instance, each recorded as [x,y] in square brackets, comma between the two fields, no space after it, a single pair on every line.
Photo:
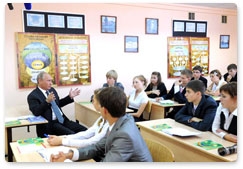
[233,125]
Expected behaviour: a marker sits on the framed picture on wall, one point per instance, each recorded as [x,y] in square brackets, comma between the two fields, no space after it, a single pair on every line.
[131,44]
[224,41]
[151,25]
[108,24]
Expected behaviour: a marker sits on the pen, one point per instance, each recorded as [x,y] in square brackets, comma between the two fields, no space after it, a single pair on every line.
[46,135]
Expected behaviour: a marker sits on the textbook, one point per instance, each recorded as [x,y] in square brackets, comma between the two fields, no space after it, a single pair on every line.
[208,144]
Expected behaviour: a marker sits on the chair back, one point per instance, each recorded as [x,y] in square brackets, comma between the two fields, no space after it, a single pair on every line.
[159,152]
[147,111]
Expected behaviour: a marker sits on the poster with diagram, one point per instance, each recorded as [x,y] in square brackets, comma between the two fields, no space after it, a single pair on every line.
[73,59]
[35,53]
[187,52]
[178,55]
[200,53]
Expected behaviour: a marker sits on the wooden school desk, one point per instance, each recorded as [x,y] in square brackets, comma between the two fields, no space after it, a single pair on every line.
[8,128]
[158,109]
[32,156]
[184,148]
[86,114]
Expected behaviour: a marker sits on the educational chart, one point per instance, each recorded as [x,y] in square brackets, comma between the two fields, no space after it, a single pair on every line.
[200,53]
[36,53]
[187,52]
[73,59]
[178,55]
[65,57]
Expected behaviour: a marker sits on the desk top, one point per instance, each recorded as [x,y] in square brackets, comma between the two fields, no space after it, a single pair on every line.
[23,121]
[90,106]
[166,103]
[189,141]
[32,156]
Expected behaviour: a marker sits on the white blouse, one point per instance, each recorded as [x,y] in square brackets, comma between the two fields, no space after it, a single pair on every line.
[140,99]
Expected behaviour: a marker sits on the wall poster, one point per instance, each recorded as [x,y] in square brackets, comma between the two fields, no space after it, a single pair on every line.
[65,57]
[178,55]
[200,53]
[73,59]
[36,53]
[187,52]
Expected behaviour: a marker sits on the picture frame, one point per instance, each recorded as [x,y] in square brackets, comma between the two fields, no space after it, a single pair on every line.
[53,22]
[131,44]
[108,24]
[151,25]
[224,41]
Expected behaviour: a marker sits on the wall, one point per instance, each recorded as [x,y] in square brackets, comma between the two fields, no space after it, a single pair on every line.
[107,50]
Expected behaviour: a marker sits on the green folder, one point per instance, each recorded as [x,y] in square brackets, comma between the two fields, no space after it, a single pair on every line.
[208,144]
[12,123]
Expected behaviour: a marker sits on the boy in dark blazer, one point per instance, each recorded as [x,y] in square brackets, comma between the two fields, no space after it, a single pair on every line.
[199,110]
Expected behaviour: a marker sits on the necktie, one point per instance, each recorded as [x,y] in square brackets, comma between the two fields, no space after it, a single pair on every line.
[56,110]
[99,124]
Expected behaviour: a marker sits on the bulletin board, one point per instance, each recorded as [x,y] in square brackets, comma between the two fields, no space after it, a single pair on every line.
[35,53]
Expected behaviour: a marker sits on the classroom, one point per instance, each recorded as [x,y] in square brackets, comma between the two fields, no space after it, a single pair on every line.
[107,51]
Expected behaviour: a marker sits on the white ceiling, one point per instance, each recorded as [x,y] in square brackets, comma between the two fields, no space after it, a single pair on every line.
[215,5]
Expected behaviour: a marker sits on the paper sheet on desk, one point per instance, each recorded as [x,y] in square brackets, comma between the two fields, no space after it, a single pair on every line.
[46,153]
[180,132]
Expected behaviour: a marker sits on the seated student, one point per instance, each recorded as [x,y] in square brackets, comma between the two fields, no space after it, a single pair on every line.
[84,138]
[44,101]
[178,91]
[217,82]
[138,99]
[156,87]
[123,142]
[199,110]
[225,121]
[231,76]
[197,75]
[111,80]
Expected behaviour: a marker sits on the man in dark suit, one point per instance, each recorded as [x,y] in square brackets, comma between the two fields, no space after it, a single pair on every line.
[123,142]
[197,75]
[40,105]
[199,110]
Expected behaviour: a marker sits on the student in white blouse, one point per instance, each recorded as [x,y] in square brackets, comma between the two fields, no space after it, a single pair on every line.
[225,121]
[138,99]
[84,138]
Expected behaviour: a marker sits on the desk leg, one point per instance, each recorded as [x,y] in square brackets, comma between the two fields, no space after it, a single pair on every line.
[10,153]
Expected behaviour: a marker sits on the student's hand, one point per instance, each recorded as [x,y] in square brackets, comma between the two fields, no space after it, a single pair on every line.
[195,119]
[178,82]
[54,140]
[73,93]
[231,137]
[229,77]
[157,92]
[60,157]
[157,99]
